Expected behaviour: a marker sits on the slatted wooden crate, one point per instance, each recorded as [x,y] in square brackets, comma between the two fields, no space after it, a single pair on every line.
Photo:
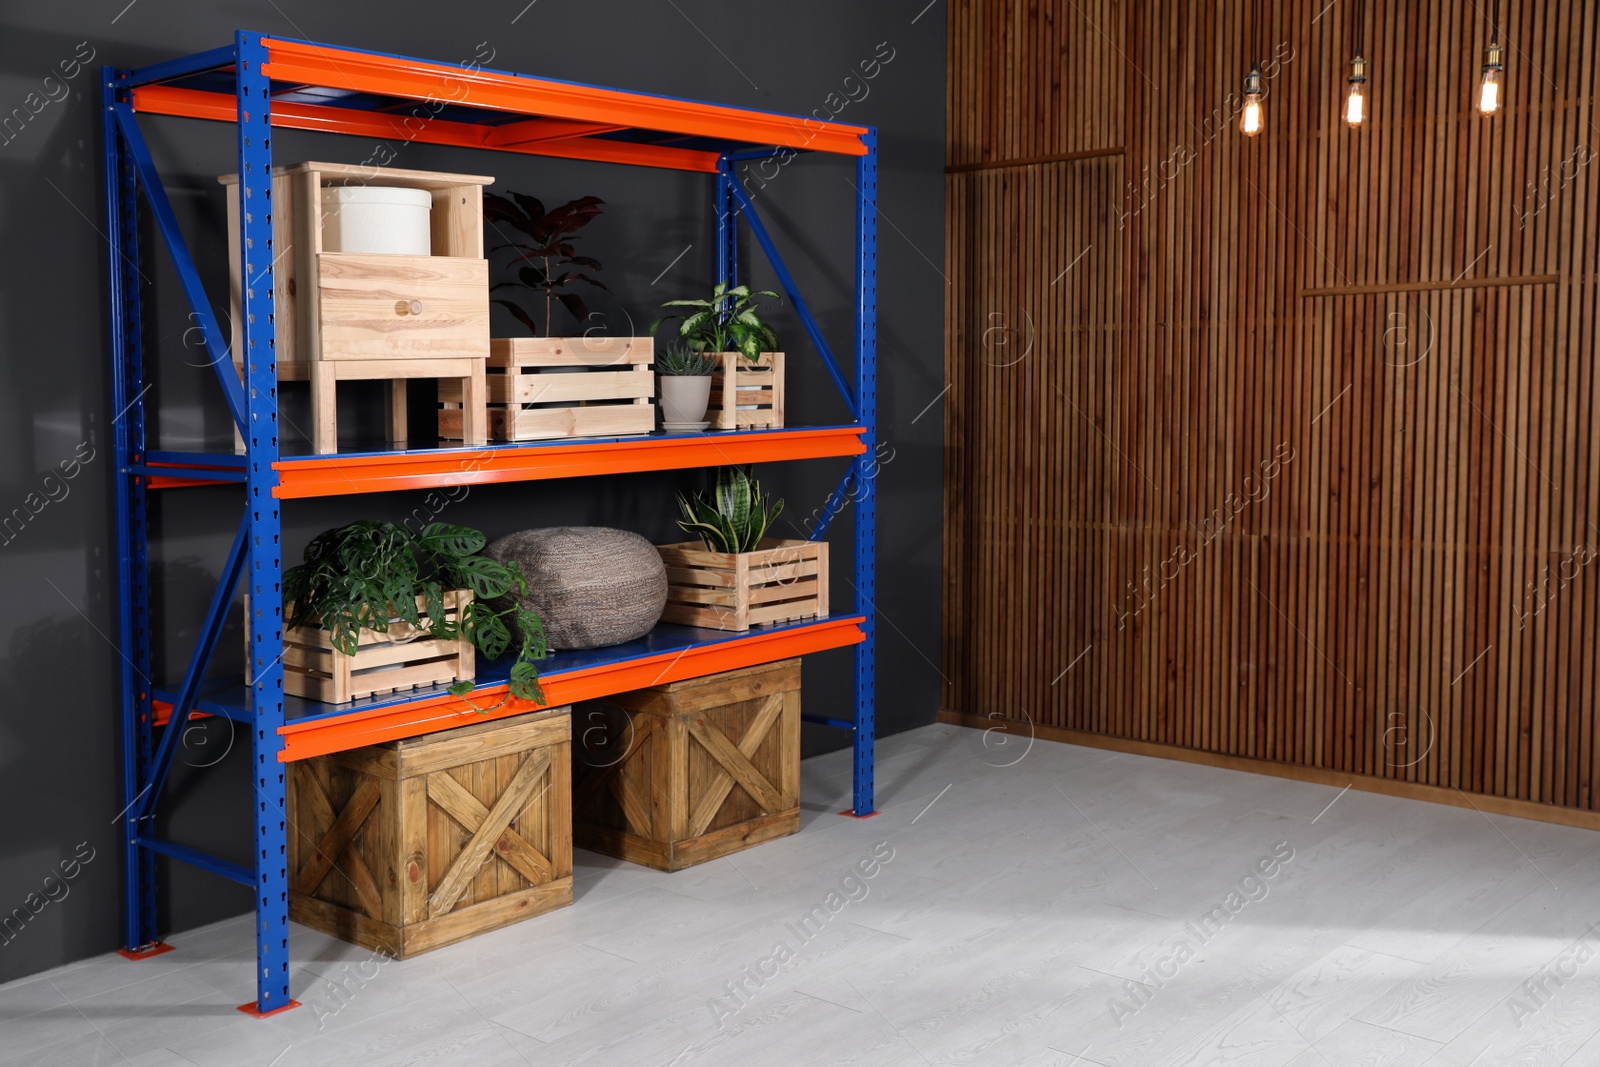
[678,774]
[781,581]
[406,846]
[403,658]
[549,387]
[759,405]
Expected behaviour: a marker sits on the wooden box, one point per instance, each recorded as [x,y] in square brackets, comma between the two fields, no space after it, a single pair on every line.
[403,658]
[343,316]
[409,845]
[679,774]
[759,405]
[546,387]
[779,582]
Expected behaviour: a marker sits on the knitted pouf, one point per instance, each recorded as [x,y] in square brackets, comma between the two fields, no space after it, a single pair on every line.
[591,585]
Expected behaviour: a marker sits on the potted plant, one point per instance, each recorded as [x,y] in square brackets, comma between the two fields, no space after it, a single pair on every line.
[546,261]
[605,384]
[684,378]
[734,576]
[747,387]
[376,607]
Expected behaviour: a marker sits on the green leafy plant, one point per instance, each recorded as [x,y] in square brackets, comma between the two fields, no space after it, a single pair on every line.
[733,516]
[546,259]
[681,361]
[728,322]
[368,576]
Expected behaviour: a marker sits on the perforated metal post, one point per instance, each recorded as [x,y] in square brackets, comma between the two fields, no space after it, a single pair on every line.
[264,570]
[727,229]
[133,564]
[866,507]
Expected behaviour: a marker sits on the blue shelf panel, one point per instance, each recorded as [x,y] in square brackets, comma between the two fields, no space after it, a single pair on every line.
[228,696]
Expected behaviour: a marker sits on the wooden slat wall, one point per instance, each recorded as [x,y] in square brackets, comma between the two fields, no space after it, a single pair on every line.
[1146,307]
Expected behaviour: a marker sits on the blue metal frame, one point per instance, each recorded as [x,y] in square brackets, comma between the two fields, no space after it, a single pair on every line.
[256,553]
[866,510]
[263,520]
[785,279]
[133,564]
[199,660]
[188,276]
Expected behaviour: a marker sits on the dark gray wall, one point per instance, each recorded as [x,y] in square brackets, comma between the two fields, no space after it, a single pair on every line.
[59,758]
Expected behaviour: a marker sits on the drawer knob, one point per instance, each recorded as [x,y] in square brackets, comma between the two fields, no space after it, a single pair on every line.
[408,307]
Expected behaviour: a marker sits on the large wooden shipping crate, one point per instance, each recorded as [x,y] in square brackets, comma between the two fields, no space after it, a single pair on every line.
[678,774]
[409,845]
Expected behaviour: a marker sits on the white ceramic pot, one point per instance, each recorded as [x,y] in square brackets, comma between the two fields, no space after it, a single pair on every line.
[684,399]
[376,219]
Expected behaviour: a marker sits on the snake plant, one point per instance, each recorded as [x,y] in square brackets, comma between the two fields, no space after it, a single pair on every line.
[731,517]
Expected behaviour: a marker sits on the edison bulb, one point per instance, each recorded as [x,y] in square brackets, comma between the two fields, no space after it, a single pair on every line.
[1489,91]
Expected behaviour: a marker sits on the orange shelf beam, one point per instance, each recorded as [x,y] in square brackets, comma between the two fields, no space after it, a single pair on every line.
[219,107]
[304,739]
[337,68]
[562,116]
[385,472]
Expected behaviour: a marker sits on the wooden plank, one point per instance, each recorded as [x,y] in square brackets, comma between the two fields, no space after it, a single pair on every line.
[1424,354]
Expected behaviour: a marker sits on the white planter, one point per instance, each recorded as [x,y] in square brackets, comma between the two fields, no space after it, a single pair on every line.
[683,400]
[376,219]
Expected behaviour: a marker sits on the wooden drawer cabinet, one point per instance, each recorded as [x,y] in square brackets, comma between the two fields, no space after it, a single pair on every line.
[402,307]
[344,316]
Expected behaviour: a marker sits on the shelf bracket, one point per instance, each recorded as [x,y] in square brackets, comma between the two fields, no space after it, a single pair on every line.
[188,276]
[183,706]
[748,209]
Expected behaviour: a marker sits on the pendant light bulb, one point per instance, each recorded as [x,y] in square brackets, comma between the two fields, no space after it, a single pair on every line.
[1253,119]
[1489,86]
[1355,104]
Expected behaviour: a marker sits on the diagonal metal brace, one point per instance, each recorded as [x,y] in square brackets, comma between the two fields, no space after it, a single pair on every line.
[748,209]
[183,707]
[188,276]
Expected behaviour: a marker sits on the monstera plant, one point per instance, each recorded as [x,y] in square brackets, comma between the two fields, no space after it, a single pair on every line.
[368,576]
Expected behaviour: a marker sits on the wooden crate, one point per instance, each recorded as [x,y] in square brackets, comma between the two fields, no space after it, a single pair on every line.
[404,658]
[345,316]
[409,845]
[678,774]
[779,582]
[766,375]
[547,387]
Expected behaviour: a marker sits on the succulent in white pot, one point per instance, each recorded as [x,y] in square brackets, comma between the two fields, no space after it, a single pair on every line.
[684,377]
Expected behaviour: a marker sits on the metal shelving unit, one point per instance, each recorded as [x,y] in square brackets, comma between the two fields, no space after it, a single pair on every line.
[261,83]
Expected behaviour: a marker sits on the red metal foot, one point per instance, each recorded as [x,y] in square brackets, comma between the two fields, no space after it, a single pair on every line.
[156,949]
[254,1012]
[853,815]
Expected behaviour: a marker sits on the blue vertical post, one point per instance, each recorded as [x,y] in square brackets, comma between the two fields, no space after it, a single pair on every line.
[727,230]
[866,509]
[133,561]
[264,570]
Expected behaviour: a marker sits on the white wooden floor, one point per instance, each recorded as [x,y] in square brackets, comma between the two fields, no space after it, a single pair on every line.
[1028,890]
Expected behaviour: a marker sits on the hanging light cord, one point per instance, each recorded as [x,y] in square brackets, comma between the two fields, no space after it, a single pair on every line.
[1255,37]
[1360,17]
[1494,23]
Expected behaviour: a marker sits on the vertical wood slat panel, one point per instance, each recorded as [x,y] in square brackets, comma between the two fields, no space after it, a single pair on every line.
[1146,307]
